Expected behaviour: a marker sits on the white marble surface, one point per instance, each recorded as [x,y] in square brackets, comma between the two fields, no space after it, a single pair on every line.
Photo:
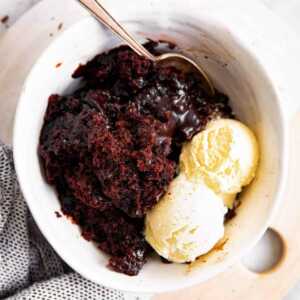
[289,10]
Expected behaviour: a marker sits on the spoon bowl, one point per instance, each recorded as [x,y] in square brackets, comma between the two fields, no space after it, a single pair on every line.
[183,62]
[102,15]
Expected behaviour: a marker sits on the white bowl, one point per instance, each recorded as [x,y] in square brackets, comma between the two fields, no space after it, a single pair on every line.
[204,29]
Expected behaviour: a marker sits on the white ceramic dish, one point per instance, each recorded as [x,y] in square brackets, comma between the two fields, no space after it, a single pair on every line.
[204,30]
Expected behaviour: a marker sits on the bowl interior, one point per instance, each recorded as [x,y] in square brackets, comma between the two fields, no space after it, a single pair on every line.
[234,71]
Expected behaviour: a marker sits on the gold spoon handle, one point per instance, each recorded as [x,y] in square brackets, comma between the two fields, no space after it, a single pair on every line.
[102,15]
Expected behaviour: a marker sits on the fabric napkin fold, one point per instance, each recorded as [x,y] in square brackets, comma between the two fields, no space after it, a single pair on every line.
[29,267]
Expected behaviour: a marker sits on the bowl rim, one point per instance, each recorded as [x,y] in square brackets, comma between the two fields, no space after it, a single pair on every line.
[283,170]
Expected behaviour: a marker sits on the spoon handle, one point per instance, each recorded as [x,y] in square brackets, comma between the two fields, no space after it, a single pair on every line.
[101,14]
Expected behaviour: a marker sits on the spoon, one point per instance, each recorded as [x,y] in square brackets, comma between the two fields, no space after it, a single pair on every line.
[102,15]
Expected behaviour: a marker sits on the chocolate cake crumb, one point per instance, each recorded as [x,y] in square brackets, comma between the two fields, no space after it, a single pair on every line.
[58,215]
[4,19]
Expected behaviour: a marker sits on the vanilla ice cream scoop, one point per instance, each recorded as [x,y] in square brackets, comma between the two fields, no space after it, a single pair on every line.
[224,155]
[187,222]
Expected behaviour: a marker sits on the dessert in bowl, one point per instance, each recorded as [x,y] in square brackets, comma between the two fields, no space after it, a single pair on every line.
[235,72]
[112,151]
